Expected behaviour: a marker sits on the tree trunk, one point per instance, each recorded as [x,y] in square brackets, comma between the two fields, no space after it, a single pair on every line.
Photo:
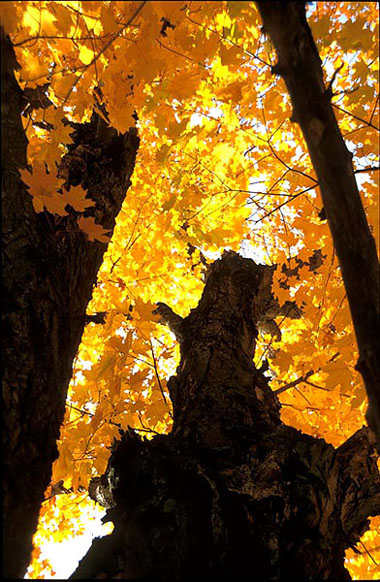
[301,68]
[49,269]
[231,490]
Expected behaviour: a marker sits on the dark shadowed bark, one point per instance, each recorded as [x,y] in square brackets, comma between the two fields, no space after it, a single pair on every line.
[49,269]
[231,492]
[301,68]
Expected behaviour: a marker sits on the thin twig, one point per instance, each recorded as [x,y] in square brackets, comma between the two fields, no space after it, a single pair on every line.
[156,372]
[367,123]
[283,203]
[55,37]
[369,169]
[305,379]
[294,383]
[79,409]
[367,552]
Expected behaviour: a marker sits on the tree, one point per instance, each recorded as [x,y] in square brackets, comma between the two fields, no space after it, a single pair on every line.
[231,489]
[354,243]
[186,83]
[50,267]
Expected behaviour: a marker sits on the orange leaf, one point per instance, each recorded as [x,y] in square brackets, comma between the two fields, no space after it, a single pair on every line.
[92,230]
[76,197]
[43,188]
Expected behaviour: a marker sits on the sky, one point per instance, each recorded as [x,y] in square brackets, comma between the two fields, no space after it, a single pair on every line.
[64,556]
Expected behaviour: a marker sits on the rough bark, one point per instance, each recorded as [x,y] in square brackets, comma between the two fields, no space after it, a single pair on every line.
[301,68]
[231,492]
[49,269]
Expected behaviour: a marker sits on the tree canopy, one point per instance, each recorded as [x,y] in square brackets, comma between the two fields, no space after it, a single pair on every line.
[222,164]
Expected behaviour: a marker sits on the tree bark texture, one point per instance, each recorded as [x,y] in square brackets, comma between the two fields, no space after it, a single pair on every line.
[49,269]
[231,493]
[301,68]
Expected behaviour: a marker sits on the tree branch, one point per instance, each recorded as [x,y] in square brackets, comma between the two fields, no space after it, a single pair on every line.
[294,383]
[99,317]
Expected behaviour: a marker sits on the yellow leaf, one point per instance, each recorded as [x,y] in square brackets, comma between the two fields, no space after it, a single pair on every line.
[121,116]
[32,20]
[230,55]
[235,8]
[9,16]
[169,203]
[144,309]
[76,197]
[136,381]
[338,374]
[62,14]
[34,70]
[162,153]
[86,55]
[43,189]
[108,20]
[92,230]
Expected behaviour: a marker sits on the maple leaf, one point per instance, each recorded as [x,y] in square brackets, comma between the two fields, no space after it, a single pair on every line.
[76,197]
[145,309]
[9,16]
[43,189]
[34,72]
[93,231]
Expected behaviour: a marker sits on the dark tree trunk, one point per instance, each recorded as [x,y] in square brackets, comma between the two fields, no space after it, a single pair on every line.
[231,492]
[49,269]
[301,68]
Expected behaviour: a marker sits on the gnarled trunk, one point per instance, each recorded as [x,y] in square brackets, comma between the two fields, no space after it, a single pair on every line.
[231,490]
[49,269]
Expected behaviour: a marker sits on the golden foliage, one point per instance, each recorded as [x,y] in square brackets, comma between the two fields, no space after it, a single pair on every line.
[220,165]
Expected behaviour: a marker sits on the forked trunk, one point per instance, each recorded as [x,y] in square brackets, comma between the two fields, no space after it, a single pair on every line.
[231,492]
